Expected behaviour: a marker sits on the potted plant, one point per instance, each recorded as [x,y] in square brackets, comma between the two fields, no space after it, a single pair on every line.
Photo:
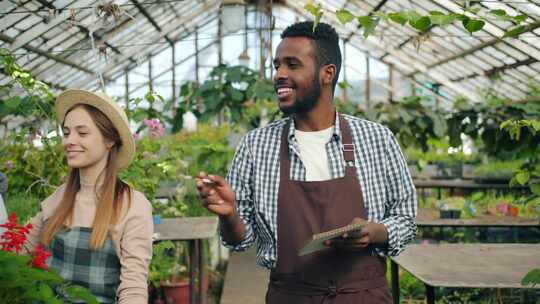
[168,273]
[451,207]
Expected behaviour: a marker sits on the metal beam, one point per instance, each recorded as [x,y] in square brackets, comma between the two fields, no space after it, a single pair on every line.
[159,50]
[150,19]
[493,30]
[37,31]
[141,49]
[471,50]
[497,70]
[49,56]
[177,63]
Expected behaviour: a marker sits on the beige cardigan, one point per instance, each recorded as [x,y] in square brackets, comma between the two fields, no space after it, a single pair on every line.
[132,237]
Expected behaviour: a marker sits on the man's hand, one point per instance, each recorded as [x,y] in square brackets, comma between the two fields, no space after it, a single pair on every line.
[371,233]
[216,194]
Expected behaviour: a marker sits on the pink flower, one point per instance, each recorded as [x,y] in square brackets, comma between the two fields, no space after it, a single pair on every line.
[136,136]
[9,164]
[157,129]
[503,208]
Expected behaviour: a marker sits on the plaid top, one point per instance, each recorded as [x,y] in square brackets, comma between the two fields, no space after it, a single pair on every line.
[97,270]
[388,190]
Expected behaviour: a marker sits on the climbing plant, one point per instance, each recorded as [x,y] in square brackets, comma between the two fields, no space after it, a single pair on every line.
[473,19]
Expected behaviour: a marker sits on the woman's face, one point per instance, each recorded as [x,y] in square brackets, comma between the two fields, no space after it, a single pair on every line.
[84,145]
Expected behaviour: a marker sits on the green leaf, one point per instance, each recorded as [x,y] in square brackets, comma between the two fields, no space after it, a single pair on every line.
[236,95]
[368,23]
[13,103]
[522,177]
[473,25]
[535,188]
[398,18]
[421,24]
[412,16]
[516,31]
[76,292]
[498,12]
[535,124]
[150,97]
[520,18]
[312,9]
[531,278]
[473,10]
[344,16]
[442,19]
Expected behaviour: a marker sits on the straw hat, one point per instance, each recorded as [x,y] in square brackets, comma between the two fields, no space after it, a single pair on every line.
[67,99]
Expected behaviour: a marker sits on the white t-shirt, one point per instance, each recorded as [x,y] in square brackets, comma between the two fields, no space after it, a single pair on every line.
[313,153]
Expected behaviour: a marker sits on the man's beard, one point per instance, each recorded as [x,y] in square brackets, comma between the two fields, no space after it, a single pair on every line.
[306,104]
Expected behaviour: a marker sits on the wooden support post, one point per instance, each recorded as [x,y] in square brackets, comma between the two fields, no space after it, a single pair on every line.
[126,85]
[368,84]
[394,270]
[197,53]
[150,84]
[391,82]
[173,62]
[343,67]
[192,258]
[220,37]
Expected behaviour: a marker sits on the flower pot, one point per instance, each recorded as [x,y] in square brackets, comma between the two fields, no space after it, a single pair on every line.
[450,214]
[176,292]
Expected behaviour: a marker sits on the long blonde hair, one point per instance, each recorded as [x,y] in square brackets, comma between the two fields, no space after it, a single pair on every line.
[110,196]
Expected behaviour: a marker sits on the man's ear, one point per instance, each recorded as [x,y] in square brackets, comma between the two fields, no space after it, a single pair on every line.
[328,73]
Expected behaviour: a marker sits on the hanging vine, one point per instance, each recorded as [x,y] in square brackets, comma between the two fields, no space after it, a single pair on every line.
[422,23]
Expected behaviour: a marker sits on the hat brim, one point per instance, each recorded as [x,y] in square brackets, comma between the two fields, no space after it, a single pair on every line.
[69,98]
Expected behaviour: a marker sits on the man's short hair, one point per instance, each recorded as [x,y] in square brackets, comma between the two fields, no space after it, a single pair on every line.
[325,42]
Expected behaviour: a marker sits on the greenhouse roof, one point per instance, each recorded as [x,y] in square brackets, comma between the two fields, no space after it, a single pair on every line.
[76,43]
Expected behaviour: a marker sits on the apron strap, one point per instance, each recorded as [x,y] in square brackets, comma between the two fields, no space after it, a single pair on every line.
[347,147]
[346,138]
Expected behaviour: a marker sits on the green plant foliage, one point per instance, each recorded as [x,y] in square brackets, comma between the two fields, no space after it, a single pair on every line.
[531,278]
[162,262]
[33,171]
[20,283]
[412,121]
[423,23]
[24,205]
[36,107]
[234,93]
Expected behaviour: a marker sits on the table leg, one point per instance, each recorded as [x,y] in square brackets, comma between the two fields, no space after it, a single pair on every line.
[202,270]
[395,281]
[191,271]
[430,294]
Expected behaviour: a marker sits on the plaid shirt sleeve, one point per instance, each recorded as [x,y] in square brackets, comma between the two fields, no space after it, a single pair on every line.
[240,179]
[401,205]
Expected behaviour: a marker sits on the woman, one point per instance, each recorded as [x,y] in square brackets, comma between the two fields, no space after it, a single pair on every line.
[98,229]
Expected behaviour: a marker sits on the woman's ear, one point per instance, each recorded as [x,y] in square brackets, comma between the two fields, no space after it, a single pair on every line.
[328,74]
[109,144]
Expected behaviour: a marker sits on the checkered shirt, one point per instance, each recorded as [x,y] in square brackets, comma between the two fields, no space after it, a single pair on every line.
[388,191]
[97,270]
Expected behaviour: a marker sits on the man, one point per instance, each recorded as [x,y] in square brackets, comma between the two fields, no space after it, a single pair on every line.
[311,172]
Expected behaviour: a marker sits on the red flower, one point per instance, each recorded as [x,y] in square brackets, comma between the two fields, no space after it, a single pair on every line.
[40,256]
[15,236]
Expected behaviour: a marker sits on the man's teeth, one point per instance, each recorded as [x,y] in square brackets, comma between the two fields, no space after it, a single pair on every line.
[284,91]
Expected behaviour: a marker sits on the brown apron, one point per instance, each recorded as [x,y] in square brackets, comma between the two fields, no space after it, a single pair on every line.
[305,208]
